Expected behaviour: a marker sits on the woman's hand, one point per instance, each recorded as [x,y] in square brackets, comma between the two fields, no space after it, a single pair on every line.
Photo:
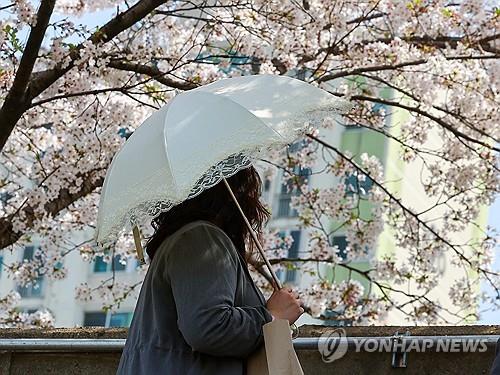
[283,304]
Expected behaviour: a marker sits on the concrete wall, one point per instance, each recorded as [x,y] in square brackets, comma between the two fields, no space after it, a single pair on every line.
[18,362]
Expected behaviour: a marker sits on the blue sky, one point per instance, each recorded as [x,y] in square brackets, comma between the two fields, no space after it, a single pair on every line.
[90,20]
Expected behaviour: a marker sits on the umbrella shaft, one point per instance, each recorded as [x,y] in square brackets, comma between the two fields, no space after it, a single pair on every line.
[254,237]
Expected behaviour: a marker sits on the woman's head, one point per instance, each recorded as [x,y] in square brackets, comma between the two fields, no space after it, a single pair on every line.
[215,205]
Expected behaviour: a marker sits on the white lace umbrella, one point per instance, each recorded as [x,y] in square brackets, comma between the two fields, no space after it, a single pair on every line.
[199,138]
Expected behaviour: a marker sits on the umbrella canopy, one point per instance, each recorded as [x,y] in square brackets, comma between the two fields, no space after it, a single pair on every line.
[199,138]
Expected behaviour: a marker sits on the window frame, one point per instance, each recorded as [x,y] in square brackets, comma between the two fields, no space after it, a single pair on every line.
[35,289]
[290,275]
[130,266]
[108,316]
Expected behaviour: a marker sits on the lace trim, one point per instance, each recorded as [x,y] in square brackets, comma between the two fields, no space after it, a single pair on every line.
[152,208]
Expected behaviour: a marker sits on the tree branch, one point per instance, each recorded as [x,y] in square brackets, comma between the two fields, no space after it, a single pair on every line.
[443,41]
[79,93]
[364,18]
[12,110]
[439,42]
[111,29]
[15,101]
[444,124]
[65,198]
[392,197]
[152,72]
[364,69]
[456,115]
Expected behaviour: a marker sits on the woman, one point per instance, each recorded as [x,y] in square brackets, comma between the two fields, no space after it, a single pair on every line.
[199,311]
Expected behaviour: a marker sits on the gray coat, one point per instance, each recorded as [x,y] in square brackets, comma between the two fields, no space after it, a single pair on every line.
[198,311]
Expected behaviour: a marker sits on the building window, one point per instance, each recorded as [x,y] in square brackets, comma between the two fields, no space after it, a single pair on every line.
[124,133]
[284,209]
[379,107]
[31,310]
[35,288]
[94,319]
[293,252]
[353,185]
[101,266]
[301,74]
[297,146]
[5,197]
[32,290]
[287,192]
[120,319]
[107,319]
[332,319]
[267,184]
[341,243]
[351,124]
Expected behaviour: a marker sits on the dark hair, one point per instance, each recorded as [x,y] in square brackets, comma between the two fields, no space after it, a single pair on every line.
[216,206]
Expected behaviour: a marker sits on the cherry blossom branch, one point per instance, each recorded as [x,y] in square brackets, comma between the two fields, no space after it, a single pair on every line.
[15,104]
[115,26]
[444,41]
[385,289]
[9,236]
[368,17]
[7,6]
[439,42]
[405,209]
[457,115]
[80,93]
[437,120]
[152,72]
[125,89]
[15,101]
[364,69]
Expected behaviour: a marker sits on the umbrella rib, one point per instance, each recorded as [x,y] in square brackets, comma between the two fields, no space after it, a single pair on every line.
[165,143]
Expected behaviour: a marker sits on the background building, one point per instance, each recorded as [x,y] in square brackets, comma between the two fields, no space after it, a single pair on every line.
[58,296]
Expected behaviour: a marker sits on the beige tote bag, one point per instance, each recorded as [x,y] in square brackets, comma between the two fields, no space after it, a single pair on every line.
[276,356]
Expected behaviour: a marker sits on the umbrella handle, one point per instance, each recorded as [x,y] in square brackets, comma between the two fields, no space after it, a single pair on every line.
[277,284]
[138,244]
